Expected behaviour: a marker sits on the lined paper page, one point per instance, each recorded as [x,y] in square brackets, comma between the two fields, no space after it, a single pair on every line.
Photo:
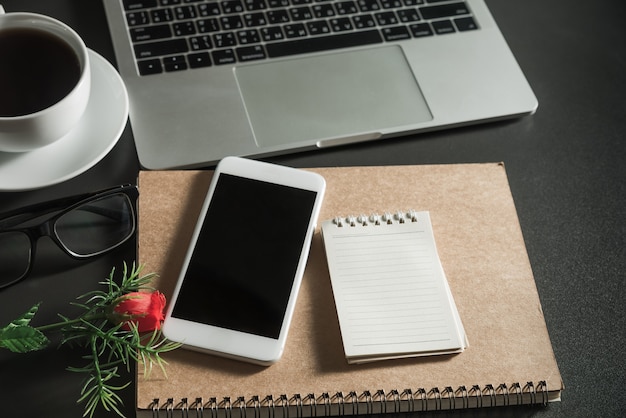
[390,291]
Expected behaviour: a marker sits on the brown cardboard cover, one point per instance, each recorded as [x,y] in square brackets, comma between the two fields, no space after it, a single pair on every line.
[482,251]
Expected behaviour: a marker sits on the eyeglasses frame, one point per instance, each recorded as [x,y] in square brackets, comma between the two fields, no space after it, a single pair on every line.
[9,222]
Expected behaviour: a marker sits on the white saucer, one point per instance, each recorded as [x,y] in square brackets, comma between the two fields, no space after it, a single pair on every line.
[95,135]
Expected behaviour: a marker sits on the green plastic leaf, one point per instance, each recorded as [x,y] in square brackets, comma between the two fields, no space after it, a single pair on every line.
[24,319]
[22,339]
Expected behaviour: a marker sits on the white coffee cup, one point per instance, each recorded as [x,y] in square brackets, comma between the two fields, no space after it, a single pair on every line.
[41,110]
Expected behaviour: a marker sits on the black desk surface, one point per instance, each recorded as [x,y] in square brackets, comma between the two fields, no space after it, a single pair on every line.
[566,166]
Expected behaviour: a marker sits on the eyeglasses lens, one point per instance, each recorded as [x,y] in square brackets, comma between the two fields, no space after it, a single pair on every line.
[15,252]
[96,226]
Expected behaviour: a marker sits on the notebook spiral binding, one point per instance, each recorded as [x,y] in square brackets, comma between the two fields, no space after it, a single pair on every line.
[375,219]
[378,402]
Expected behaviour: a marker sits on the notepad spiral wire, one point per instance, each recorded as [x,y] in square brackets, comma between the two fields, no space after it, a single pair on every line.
[376,219]
[367,402]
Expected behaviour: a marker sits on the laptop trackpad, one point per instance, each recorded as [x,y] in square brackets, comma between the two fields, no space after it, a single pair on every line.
[331,96]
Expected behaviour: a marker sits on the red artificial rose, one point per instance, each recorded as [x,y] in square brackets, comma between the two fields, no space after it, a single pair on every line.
[143,309]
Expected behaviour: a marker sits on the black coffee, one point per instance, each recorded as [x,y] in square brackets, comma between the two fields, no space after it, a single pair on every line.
[37,69]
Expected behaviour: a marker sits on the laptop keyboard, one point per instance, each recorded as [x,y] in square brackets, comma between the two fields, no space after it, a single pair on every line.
[176,35]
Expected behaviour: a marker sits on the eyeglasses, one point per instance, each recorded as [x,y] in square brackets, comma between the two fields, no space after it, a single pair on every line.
[82,226]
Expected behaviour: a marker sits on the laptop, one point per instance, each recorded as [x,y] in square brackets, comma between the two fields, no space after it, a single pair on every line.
[258,78]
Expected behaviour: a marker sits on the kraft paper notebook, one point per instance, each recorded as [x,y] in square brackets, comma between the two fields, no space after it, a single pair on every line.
[480,244]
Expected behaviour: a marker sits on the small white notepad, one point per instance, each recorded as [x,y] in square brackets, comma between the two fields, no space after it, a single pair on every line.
[391,293]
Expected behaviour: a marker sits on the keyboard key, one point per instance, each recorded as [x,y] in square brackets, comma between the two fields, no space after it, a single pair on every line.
[250,53]
[153,49]
[231,6]
[199,60]
[185,12]
[323,43]
[252,5]
[324,10]
[224,56]
[274,4]
[363,21]
[386,18]
[396,33]
[150,33]
[408,15]
[390,4]
[346,7]
[465,23]
[443,27]
[184,28]
[272,33]
[226,39]
[199,43]
[250,36]
[419,30]
[231,22]
[278,16]
[368,5]
[255,19]
[301,13]
[162,15]
[295,30]
[176,63]
[137,18]
[151,66]
[318,27]
[209,9]
[444,10]
[208,25]
[139,4]
[341,24]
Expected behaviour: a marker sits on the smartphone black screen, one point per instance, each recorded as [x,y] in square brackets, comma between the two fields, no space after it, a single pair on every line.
[241,272]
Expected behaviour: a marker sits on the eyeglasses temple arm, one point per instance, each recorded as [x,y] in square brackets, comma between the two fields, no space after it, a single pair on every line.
[21,215]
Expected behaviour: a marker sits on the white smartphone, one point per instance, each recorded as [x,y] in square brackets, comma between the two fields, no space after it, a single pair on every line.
[237,290]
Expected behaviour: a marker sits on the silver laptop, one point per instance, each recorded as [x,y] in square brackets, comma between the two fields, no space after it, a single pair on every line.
[255,78]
